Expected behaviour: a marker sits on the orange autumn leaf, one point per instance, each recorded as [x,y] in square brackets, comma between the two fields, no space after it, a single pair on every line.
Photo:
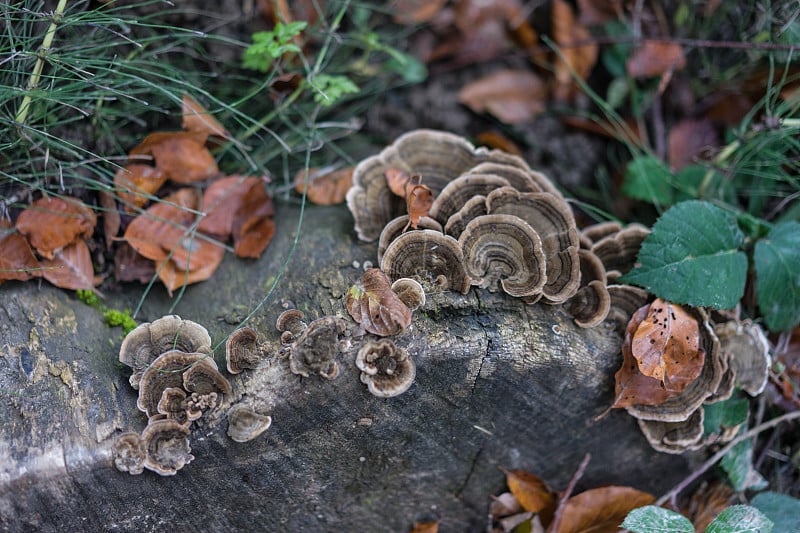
[416,11]
[666,346]
[419,199]
[71,268]
[601,510]
[496,140]
[325,188]
[129,265]
[531,492]
[202,263]
[221,201]
[136,184]
[513,96]
[16,257]
[567,32]
[145,148]
[163,226]
[655,58]
[631,386]
[196,118]
[397,181]
[53,223]
[253,227]
[374,305]
[181,155]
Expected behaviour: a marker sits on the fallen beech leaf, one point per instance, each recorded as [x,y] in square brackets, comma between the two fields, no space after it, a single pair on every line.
[601,510]
[578,59]
[415,11]
[375,307]
[71,268]
[136,184]
[254,238]
[181,155]
[252,224]
[196,118]
[631,386]
[53,223]
[221,201]
[707,503]
[666,346]
[163,226]
[513,96]
[16,257]
[497,140]
[426,527]
[655,58]
[174,277]
[145,147]
[532,493]
[325,188]
[419,200]
[397,181]
[505,504]
[688,139]
[111,219]
[129,265]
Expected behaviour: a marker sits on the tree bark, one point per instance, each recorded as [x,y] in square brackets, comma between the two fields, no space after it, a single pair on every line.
[499,383]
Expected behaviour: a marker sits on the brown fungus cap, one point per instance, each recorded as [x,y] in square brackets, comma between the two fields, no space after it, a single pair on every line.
[748,350]
[398,226]
[151,339]
[551,218]
[675,437]
[455,195]
[410,292]
[522,179]
[386,369]
[474,207]
[618,251]
[243,350]
[590,305]
[203,377]
[429,256]
[165,372]
[245,424]
[167,445]
[173,404]
[315,351]
[504,249]
[595,232]
[129,453]
[625,300]
[291,320]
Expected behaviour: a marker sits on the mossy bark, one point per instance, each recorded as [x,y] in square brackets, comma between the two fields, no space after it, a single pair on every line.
[499,383]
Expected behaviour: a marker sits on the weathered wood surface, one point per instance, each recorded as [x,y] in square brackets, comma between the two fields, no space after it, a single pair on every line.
[498,383]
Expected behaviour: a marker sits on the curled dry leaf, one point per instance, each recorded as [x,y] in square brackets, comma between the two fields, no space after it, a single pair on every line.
[666,346]
[601,510]
[181,155]
[196,118]
[419,200]
[253,227]
[325,188]
[374,305]
[136,184]
[513,96]
[578,59]
[495,139]
[532,493]
[71,268]
[397,181]
[53,223]
[16,257]
[655,58]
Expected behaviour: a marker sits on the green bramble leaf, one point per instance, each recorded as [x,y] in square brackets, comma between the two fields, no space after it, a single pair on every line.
[722,415]
[740,519]
[777,262]
[782,510]
[651,519]
[692,257]
[648,178]
[738,465]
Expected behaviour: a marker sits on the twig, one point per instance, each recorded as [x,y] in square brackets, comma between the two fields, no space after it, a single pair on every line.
[677,489]
[22,113]
[562,501]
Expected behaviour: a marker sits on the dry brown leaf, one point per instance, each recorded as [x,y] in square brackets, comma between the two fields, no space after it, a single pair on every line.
[145,148]
[505,504]
[655,58]
[419,199]
[53,223]
[16,257]
[180,155]
[513,96]
[415,11]
[397,181]
[707,503]
[111,218]
[254,238]
[71,268]
[532,493]
[426,527]
[136,184]
[374,305]
[567,32]
[688,139]
[252,223]
[175,278]
[495,139]
[129,265]
[666,346]
[325,188]
[223,198]
[601,510]
[631,386]
[164,225]
[196,118]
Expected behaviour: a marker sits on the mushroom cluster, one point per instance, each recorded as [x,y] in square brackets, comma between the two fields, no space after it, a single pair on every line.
[177,380]
[312,349]
[494,223]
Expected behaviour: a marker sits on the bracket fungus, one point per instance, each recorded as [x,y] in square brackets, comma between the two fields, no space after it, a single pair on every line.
[151,339]
[129,453]
[245,424]
[163,373]
[460,190]
[472,208]
[316,349]
[397,226]
[591,304]
[748,348]
[675,437]
[430,256]
[203,377]
[167,445]
[243,350]
[410,292]
[173,405]
[617,247]
[386,369]
[504,249]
